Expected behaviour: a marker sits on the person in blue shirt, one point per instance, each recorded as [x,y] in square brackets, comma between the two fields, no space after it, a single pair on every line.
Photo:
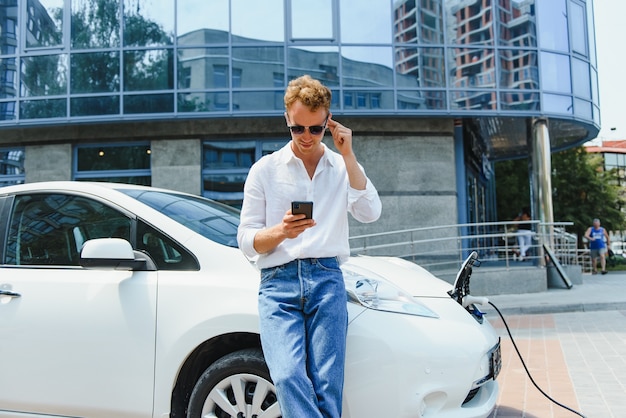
[598,245]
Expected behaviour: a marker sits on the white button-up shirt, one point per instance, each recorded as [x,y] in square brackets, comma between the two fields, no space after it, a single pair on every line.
[280,178]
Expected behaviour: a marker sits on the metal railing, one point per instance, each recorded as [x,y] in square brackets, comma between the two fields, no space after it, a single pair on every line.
[443,248]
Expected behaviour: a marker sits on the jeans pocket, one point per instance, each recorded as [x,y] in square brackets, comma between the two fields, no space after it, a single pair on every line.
[330,264]
[269,273]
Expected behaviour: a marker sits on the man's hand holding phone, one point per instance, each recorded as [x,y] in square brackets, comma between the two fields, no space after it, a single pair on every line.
[299,218]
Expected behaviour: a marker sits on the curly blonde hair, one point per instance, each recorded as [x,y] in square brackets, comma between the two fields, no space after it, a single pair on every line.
[309,91]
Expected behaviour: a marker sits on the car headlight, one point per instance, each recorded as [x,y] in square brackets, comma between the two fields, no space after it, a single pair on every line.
[375,292]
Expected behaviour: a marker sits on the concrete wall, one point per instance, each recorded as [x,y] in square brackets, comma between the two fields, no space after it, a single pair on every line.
[48,162]
[176,164]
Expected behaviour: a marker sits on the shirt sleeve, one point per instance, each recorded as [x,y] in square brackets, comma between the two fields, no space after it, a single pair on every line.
[364,205]
[252,218]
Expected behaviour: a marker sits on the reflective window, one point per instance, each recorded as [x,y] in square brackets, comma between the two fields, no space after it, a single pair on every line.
[50,229]
[516,26]
[148,23]
[257,66]
[95,24]
[319,62]
[519,100]
[473,100]
[8,78]
[225,166]
[472,68]
[377,14]
[418,21]
[262,20]
[470,23]
[591,32]
[43,109]
[128,163]
[44,23]
[582,108]
[557,104]
[367,66]
[7,111]
[581,78]
[555,73]
[148,70]
[578,32]
[313,20]
[11,166]
[421,100]
[196,65]
[196,15]
[94,106]
[95,72]
[519,69]
[552,23]
[44,75]
[149,103]
[420,67]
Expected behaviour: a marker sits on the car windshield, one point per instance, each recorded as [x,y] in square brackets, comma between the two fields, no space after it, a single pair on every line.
[210,219]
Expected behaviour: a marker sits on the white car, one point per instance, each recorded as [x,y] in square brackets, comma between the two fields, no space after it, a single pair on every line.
[128,301]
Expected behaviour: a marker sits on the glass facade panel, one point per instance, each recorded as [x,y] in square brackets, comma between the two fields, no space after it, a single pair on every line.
[148,23]
[94,106]
[582,108]
[517,24]
[44,75]
[196,15]
[557,103]
[8,111]
[149,103]
[11,164]
[148,70]
[421,100]
[257,101]
[199,56]
[43,109]
[228,154]
[367,66]
[552,23]
[95,24]
[8,78]
[319,62]
[472,67]
[581,78]
[473,100]
[519,69]
[45,23]
[196,67]
[262,20]
[95,72]
[109,157]
[470,23]
[578,31]
[377,14]
[519,100]
[420,67]
[257,66]
[312,20]
[555,73]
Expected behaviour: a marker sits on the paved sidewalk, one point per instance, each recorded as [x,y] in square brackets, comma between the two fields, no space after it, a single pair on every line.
[573,342]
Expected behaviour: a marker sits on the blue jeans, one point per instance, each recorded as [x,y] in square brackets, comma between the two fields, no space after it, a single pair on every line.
[304,320]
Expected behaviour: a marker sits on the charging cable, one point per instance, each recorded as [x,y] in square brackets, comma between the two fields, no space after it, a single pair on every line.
[483,301]
[522,360]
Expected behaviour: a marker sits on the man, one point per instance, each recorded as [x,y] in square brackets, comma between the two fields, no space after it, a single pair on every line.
[302,295]
[597,245]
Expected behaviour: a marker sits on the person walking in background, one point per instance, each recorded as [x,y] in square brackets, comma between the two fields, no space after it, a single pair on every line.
[302,294]
[598,245]
[524,233]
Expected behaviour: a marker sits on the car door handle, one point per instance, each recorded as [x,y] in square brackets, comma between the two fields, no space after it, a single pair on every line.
[9,294]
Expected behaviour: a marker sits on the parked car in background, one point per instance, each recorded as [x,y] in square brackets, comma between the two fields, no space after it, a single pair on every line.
[127,301]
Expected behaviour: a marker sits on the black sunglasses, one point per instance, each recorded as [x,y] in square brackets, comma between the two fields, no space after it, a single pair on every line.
[314,130]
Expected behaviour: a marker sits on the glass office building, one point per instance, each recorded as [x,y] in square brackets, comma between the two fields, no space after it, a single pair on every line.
[187,94]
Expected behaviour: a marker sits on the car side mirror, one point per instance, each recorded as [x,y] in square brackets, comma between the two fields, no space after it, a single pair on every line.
[113,253]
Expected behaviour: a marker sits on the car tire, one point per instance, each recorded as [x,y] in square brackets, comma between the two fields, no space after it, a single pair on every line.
[237,385]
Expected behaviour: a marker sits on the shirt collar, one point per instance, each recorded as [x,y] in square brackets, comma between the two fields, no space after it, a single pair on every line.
[289,156]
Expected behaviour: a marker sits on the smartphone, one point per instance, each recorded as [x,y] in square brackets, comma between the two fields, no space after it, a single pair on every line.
[302,207]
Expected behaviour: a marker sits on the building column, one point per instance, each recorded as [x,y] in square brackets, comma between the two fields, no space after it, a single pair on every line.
[541,184]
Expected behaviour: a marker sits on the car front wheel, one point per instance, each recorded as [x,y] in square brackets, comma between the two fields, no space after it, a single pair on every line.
[236,386]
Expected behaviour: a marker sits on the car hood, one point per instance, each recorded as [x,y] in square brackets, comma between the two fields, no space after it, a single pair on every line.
[406,275]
